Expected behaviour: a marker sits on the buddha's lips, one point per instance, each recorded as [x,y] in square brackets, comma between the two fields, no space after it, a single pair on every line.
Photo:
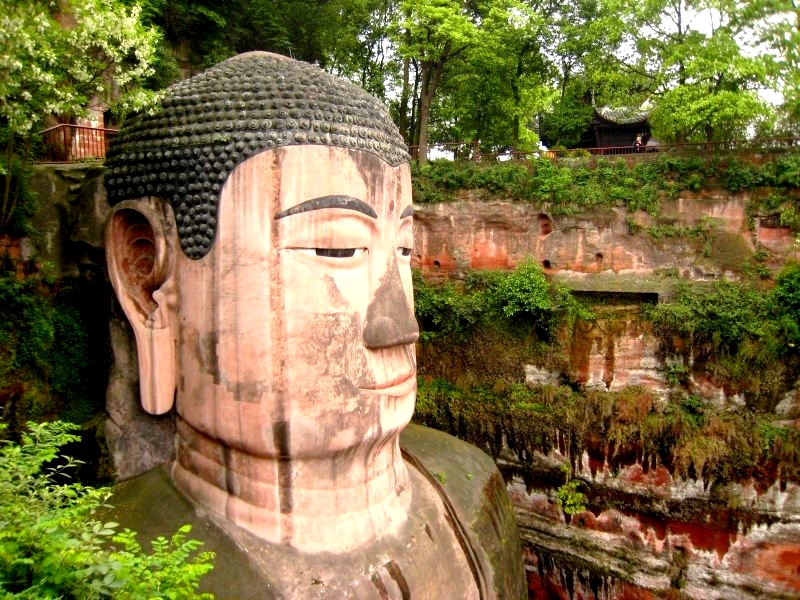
[399,386]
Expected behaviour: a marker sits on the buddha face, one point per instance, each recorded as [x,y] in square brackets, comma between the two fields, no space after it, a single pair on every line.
[296,332]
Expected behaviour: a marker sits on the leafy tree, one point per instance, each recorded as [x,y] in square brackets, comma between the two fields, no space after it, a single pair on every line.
[701,76]
[358,47]
[564,124]
[60,58]
[51,546]
[586,36]
[505,78]
[340,34]
[777,25]
[432,33]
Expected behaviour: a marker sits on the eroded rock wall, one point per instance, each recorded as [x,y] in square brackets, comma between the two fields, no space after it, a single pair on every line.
[660,535]
[697,237]
[651,534]
[635,258]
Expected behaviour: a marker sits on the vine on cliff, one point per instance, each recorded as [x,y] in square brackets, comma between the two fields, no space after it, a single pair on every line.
[616,429]
[45,365]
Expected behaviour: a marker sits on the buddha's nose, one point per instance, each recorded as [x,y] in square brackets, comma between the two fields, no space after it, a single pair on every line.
[390,319]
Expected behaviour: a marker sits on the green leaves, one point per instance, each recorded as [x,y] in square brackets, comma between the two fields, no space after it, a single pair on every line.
[46,354]
[523,295]
[701,66]
[570,497]
[51,546]
[524,292]
[740,335]
[52,70]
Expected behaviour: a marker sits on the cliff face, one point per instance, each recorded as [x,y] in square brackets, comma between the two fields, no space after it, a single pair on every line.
[652,533]
[660,535]
[633,257]
[698,237]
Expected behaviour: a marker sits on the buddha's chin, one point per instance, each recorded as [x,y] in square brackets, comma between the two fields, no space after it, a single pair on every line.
[396,409]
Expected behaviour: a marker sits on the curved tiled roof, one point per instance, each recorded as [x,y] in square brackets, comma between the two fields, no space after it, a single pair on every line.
[622,116]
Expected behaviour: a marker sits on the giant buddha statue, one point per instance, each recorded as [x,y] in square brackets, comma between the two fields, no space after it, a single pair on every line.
[259,244]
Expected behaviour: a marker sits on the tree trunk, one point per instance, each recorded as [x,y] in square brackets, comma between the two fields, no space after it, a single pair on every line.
[402,109]
[425,99]
[413,133]
[8,202]
[431,75]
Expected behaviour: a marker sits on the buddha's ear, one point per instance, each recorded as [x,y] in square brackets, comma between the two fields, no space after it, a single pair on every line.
[141,247]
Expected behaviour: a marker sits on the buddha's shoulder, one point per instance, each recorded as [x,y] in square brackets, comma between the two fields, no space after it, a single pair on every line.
[460,529]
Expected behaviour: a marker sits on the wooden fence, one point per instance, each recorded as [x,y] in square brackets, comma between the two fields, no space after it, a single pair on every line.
[72,143]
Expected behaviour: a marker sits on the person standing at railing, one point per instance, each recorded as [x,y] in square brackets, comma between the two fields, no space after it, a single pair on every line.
[637,144]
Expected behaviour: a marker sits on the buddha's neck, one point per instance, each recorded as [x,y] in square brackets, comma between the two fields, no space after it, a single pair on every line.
[330,504]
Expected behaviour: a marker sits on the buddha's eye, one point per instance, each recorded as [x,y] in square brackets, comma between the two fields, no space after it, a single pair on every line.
[404,251]
[332,252]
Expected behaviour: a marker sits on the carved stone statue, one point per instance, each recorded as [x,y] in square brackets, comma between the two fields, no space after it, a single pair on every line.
[259,244]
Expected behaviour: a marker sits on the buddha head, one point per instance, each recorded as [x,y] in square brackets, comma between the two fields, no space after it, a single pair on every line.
[259,244]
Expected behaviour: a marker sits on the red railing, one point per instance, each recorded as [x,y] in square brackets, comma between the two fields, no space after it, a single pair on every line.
[72,143]
[466,151]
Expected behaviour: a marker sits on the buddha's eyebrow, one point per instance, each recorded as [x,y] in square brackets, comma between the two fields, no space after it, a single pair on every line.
[407,212]
[346,202]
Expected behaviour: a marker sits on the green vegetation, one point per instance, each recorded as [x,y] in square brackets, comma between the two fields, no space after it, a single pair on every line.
[570,498]
[743,338]
[45,365]
[52,546]
[612,183]
[20,205]
[54,71]
[684,435]
[512,299]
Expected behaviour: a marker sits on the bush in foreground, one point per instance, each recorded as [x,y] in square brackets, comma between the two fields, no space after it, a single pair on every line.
[52,546]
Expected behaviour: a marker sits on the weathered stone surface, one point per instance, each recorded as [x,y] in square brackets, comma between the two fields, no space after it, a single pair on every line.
[789,406]
[71,216]
[598,244]
[615,351]
[416,563]
[137,442]
[666,535]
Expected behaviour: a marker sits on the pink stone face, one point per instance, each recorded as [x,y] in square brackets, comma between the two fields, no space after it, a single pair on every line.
[296,348]
[312,323]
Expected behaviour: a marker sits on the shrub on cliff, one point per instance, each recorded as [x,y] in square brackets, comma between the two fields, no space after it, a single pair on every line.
[741,336]
[520,298]
[787,289]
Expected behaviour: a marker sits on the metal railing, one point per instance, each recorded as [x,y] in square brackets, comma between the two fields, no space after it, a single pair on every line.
[71,143]
[464,151]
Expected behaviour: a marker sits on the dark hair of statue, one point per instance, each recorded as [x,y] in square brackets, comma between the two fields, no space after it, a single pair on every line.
[209,123]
